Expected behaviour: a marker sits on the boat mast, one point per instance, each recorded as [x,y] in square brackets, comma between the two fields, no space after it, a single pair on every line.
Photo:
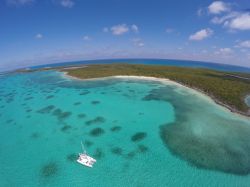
[83,149]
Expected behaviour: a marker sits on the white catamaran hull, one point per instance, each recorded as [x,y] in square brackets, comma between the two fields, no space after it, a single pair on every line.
[86,160]
[84,163]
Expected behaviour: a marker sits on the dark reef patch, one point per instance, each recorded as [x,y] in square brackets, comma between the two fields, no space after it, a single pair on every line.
[125,167]
[47,109]
[9,100]
[131,155]
[115,128]
[35,135]
[57,112]
[95,102]
[72,157]
[84,92]
[98,153]
[138,136]
[28,110]
[49,170]
[97,132]
[81,115]
[77,103]
[142,148]
[60,114]
[9,121]
[126,95]
[96,120]
[88,143]
[28,98]
[49,96]
[117,150]
[66,128]
[64,115]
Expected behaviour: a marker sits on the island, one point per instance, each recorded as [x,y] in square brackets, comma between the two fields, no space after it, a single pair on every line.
[225,88]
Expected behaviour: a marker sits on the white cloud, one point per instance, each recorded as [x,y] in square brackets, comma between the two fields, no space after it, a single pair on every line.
[119,29]
[67,3]
[86,38]
[233,20]
[141,44]
[218,7]
[243,50]
[217,20]
[138,42]
[169,30]
[245,44]
[39,36]
[19,2]
[225,18]
[134,28]
[200,35]
[224,51]
[240,22]
[201,11]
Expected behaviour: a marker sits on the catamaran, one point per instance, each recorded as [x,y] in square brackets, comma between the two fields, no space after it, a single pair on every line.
[85,159]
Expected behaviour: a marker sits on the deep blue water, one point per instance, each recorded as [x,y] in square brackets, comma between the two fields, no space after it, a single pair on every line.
[180,63]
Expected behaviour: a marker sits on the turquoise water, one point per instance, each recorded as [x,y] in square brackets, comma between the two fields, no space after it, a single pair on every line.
[248,100]
[142,133]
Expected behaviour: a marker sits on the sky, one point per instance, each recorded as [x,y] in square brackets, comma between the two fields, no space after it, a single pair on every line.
[36,32]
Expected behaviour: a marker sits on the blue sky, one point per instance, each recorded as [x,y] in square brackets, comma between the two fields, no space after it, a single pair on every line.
[46,31]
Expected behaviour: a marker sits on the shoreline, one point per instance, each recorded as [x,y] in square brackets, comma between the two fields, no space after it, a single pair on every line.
[165,80]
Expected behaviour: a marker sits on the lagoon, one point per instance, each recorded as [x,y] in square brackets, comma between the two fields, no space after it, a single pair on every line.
[143,132]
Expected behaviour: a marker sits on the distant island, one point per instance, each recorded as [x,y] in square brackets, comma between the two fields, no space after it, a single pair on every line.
[229,89]
[225,88]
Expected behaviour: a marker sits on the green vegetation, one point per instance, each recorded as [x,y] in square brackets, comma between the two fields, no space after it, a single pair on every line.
[226,88]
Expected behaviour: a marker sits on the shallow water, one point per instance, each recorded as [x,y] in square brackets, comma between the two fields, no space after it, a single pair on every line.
[247,100]
[142,133]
